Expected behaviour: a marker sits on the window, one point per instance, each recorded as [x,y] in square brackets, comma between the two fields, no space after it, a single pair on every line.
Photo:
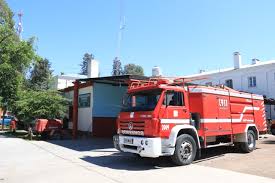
[252,81]
[208,84]
[229,83]
[174,99]
[84,100]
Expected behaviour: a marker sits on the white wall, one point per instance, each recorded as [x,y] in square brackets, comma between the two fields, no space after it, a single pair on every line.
[64,81]
[85,119]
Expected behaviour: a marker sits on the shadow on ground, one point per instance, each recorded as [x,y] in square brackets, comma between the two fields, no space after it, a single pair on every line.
[89,144]
[17,134]
[131,162]
[268,142]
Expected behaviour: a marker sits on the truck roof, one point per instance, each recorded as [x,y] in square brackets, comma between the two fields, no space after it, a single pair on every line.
[162,83]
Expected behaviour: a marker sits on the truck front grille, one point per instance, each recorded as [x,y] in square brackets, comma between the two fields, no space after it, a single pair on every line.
[132,128]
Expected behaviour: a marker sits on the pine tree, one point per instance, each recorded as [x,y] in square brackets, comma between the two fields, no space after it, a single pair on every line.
[117,68]
[84,65]
[41,75]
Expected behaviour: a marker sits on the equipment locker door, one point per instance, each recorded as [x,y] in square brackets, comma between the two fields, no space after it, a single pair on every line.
[224,115]
[210,116]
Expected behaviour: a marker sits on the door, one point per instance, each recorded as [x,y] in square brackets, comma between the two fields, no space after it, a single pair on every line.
[174,110]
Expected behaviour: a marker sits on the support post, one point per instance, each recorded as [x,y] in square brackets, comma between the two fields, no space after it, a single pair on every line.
[75,109]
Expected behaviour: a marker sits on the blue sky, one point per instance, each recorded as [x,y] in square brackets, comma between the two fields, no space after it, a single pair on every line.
[180,36]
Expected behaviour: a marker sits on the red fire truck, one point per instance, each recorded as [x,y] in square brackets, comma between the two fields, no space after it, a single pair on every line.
[160,117]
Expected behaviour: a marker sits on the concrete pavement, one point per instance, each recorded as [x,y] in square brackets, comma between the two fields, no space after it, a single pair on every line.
[85,161]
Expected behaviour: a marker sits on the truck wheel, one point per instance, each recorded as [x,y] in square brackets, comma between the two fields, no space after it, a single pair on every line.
[250,145]
[185,150]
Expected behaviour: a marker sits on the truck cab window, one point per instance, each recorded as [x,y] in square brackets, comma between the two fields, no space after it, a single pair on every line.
[141,101]
[174,99]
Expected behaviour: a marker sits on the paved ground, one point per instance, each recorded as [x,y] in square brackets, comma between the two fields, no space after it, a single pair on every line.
[96,161]
[260,162]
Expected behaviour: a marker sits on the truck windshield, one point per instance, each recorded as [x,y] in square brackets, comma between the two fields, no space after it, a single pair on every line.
[141,101]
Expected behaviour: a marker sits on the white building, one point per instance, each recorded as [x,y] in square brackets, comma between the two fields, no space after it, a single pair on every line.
[258,77]
[64,81]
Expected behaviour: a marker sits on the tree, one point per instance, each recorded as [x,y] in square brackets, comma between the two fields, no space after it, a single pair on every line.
[84,65]
[117,69]
[6,15]
[40,75]
[40,104]
[9,83]
[133,69]
[15,57]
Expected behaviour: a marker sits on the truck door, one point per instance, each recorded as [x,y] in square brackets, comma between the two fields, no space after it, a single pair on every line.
[174,110]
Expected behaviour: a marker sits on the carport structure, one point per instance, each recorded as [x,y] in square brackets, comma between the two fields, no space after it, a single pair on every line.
[96,103]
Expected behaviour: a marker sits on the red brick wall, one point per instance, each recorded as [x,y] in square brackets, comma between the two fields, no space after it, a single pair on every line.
[104,126]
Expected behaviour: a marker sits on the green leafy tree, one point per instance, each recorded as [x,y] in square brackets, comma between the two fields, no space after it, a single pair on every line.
[15,58]
[133,69]
[9,83]
[41,75]
[40,104]
[6,15]
[84,65]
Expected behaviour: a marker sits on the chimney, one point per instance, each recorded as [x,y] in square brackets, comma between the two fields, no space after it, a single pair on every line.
[93,69]
[255,61]
[156,71]
[237,60]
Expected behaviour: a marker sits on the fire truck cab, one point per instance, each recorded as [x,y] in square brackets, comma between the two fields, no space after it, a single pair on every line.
[160,117]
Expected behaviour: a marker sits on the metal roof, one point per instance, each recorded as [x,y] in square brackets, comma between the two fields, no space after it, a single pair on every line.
[114,79]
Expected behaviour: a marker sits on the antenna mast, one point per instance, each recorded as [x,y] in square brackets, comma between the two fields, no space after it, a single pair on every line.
[117,69]
[121,27]
[20,25]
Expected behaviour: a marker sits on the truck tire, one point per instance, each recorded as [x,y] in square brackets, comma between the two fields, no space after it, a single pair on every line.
[250,145]
[185,150]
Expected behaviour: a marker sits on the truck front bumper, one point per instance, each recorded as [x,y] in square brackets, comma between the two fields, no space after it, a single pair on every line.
[145,147]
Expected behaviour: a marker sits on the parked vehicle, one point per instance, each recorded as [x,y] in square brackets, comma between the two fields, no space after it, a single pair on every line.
[7,120]
[48,128]
[171,118]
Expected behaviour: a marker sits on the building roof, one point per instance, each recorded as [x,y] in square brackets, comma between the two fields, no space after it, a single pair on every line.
[72,76]
[113,80]
[260,64]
